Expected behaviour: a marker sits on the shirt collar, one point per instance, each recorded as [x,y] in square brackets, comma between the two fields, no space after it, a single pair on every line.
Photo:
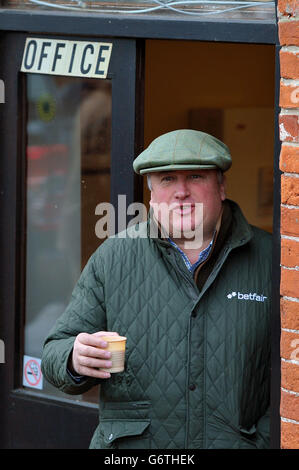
[203,255]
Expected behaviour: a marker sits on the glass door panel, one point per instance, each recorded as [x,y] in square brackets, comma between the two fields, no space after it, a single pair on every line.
[68,174]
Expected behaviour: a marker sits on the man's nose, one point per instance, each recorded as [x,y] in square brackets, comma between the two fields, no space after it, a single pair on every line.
[182,190]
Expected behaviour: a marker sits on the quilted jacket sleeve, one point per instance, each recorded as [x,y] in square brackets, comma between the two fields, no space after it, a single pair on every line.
[263,430]
[85,313]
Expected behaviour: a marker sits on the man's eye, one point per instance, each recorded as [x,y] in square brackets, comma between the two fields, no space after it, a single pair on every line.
[194,177]
[167,178]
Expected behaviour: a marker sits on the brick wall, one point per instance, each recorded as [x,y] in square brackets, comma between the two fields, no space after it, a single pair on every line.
[288,27]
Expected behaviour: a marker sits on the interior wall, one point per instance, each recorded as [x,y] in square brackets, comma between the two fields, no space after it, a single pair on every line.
[183,77]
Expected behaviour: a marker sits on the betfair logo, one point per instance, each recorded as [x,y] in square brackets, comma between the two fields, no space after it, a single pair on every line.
[250,296]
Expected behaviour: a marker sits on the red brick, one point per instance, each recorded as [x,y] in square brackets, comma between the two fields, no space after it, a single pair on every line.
[290,253]
[289,406]
[289,283]
[289,314]
[288,32]
[289,346]
[290,190]
[289,158]
[289,221]
[289,64]
[289,127]
[288,7]
[289,95]
[290,376]
[289,435]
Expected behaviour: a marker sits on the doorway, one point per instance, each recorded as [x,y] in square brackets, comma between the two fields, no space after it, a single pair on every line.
[223,88]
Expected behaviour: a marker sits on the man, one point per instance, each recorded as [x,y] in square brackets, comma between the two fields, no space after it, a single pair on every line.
[192,300]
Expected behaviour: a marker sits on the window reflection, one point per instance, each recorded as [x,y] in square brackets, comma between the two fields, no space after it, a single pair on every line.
[68,174]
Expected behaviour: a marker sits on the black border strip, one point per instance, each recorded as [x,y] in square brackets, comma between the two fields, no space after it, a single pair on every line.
[133,26]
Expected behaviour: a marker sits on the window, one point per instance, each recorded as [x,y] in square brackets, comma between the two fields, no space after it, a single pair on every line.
[68,174]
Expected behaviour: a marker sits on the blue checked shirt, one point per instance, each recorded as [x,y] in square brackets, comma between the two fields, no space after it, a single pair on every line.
[201,258]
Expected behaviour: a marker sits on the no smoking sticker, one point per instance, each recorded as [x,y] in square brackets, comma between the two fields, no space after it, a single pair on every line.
[32,374]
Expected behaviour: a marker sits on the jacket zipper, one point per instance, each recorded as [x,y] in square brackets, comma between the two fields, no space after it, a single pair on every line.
[187,387]
[186,278]
[204,439]
[216,271]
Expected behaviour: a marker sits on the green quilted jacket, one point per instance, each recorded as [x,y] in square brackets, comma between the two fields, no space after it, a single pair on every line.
[197,369]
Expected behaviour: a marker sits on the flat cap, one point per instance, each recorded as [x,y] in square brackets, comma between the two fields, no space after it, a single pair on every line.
[183,149]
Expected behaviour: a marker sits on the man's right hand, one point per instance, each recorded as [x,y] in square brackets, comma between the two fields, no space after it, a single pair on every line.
[89,355]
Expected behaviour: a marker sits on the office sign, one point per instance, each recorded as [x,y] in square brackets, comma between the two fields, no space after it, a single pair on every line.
[69,58]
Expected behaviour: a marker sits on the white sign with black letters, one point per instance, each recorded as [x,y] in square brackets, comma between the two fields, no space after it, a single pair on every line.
[70,58]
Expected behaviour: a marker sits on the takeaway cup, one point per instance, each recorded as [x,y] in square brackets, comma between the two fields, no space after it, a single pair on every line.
[117,347]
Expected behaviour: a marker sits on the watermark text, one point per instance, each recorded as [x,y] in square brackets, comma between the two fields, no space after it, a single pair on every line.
[2,351]
[295,96]
[179,221]
[2,92]
[295,354]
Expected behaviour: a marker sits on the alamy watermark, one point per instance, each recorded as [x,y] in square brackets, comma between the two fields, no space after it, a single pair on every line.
[178,220]
[2,92]
[2,351]
[295,354]
[295,95]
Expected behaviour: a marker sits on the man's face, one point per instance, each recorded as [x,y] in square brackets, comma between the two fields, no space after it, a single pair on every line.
[176,199]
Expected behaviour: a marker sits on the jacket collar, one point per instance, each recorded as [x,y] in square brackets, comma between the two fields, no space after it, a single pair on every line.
[241,230]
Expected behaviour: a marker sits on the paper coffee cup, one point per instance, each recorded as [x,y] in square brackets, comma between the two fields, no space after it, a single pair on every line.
[117,347]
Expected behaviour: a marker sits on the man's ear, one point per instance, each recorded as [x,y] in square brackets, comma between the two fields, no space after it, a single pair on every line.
[223,186]
[152,199]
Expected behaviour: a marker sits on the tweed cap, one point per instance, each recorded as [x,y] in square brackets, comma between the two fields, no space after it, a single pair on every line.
[183,149]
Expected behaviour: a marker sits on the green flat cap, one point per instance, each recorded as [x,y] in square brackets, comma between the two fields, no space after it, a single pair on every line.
[183,149]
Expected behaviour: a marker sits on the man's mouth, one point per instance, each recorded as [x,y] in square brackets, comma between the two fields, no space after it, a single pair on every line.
[184,209]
